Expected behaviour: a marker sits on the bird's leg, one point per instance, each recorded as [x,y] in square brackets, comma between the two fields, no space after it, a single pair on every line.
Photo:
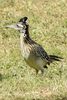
[42,71]
[36,71]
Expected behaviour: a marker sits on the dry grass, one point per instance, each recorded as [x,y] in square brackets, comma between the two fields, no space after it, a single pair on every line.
[48,26]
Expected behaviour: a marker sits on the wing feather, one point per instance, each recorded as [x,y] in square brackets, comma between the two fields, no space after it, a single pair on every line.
[40,52]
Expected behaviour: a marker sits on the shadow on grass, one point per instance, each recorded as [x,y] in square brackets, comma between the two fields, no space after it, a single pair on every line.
[21,98]
[62,98]
[6,76]
[1,77]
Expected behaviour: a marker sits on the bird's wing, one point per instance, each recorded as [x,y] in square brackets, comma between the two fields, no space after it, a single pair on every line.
[40,52]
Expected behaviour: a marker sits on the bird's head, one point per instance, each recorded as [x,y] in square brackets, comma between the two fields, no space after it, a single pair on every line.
[21,26]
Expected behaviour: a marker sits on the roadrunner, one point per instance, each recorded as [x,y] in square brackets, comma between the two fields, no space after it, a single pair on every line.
[33,53]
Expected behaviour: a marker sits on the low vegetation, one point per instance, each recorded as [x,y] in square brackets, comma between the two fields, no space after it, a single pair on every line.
[48,27]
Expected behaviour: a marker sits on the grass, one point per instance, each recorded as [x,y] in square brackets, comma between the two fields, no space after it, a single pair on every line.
[48,27]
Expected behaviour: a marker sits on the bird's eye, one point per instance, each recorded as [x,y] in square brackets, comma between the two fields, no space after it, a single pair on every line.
[24,27]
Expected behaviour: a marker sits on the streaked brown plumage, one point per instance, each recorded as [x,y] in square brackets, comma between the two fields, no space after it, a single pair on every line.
[33,53]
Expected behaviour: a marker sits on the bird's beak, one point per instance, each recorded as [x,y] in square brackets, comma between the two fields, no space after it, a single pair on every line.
[14,26]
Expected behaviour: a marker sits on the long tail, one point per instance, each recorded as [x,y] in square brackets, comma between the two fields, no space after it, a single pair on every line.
[55,58]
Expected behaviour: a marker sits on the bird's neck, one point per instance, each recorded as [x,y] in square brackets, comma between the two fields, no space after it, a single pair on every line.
[25,36]
[26,39]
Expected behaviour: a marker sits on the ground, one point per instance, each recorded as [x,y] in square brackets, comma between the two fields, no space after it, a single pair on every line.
[48,27]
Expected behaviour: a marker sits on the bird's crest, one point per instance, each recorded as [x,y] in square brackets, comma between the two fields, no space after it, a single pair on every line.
[23,20]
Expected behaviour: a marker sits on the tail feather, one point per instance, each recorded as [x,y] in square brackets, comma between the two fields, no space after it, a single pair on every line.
[55,58]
